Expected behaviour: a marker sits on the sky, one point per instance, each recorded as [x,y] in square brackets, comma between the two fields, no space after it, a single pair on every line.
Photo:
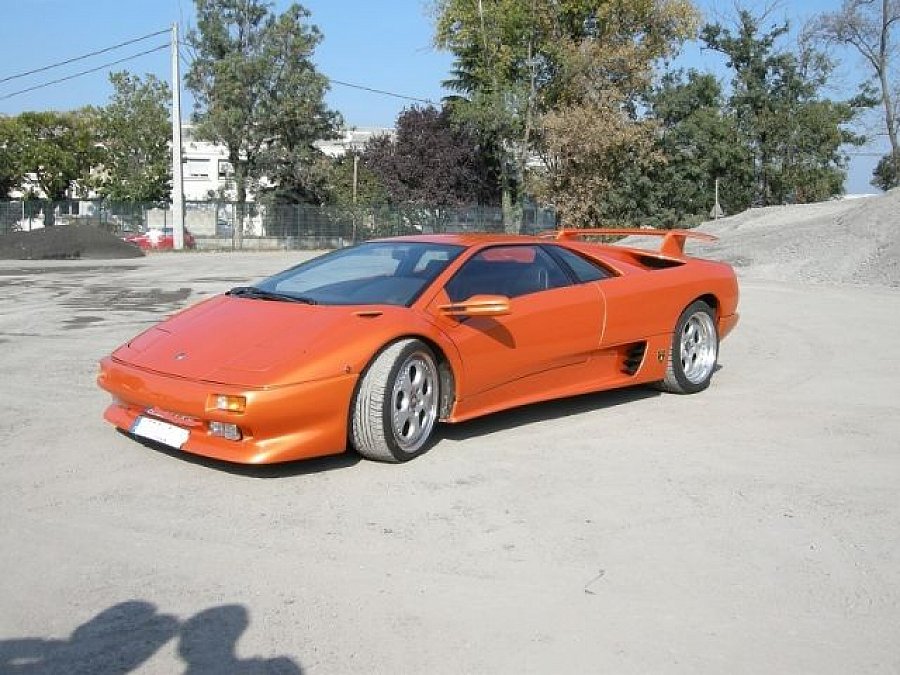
[380,44]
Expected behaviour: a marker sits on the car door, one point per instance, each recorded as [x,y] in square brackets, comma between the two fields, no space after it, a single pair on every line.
[553,321]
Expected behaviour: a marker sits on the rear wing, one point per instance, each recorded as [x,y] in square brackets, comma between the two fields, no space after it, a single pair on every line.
[672,243]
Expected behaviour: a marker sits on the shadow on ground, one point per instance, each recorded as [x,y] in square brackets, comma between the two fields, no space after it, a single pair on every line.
[544,412]
[283,470]
[123,637]
[489,424]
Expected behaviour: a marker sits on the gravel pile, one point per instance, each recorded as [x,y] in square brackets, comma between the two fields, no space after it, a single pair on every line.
[65,242]
[852,241]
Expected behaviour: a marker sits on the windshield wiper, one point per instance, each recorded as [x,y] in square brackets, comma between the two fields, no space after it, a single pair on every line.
[260,294]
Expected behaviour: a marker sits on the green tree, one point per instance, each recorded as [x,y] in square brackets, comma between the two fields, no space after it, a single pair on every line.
[885,176]
[561,79]
[701,143]
[256,88]
[340,183]
[697,142]
[134,129]
[11,173]
[59,149]
[497,74]
[794,136]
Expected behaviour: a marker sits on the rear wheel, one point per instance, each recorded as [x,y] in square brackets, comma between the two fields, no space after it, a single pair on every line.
[396,406]
[694,351]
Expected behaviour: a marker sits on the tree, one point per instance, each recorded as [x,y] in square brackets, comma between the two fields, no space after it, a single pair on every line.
[701,143]
[867,26]
[794,136]
[497,73]
[589,149]
[885,176]
[696,142]
[369,191]
[11,173]
[533,74]
[134,129]
[59,149]
[256,88]
[432,162]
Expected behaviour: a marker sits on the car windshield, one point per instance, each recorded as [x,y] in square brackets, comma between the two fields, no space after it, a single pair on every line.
[375,273]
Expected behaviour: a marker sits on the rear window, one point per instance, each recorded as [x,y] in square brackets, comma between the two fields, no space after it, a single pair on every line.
[584,269]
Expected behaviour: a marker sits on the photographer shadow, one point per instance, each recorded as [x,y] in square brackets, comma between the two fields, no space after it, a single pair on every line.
[123,637]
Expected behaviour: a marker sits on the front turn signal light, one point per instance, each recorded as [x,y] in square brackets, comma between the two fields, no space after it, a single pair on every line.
[229,403]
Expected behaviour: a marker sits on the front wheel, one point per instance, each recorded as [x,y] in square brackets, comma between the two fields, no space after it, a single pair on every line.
[396,405]
[694,351]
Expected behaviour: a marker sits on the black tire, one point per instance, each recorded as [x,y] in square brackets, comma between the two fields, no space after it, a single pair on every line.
[694,351]
[396,405]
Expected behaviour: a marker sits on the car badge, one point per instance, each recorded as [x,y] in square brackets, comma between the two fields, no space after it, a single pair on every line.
[180,356]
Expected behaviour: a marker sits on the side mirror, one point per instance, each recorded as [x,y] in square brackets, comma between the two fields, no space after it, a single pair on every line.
[478,305]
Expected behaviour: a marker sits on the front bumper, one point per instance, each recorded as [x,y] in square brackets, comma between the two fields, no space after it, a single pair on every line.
[279,424]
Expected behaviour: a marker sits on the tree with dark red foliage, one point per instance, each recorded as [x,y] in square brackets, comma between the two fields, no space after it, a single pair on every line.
[433,163]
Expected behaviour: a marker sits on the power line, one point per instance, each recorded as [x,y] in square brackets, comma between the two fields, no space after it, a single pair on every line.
[381,91]
[82,57]
[187,60]
[350,85]
[84,72]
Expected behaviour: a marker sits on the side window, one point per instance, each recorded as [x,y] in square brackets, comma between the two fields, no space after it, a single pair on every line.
[506,270]
[584,269]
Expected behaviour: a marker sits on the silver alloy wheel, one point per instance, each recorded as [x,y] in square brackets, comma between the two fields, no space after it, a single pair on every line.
[699,344]
[414,402]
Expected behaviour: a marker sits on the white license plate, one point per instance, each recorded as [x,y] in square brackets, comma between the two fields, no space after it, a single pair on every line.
[161,432]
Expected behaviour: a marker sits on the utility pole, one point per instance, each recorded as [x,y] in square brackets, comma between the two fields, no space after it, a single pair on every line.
[355,179]
[718,208]
[717,212]
[177,177]
[355,176]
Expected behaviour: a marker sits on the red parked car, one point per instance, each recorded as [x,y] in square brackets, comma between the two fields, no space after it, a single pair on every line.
[156,239]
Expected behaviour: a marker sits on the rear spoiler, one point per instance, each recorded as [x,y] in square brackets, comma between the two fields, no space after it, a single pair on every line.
[672,244]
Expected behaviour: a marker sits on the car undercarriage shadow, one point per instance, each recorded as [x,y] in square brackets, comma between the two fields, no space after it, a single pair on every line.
[280,470]
[493,423]
[542,412]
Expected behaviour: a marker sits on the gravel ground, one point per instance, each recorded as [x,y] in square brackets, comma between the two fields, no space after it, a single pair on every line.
[854,241]
[751,528]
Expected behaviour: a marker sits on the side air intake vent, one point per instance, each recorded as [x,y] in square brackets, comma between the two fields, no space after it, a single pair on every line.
[634,356]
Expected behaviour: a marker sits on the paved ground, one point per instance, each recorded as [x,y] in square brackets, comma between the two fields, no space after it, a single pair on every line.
[752,528]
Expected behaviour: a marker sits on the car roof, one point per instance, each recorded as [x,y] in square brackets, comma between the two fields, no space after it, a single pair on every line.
[469,239]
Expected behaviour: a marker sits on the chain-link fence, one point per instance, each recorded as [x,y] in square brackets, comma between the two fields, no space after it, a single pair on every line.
[217,225]
[116,217]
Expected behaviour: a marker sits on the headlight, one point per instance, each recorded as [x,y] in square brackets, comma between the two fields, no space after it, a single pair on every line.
[230,432]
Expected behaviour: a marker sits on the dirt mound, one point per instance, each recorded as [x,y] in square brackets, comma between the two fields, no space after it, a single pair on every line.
[851,241]
[65,242]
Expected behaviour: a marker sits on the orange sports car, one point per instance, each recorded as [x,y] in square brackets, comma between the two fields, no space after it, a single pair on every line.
[371,346]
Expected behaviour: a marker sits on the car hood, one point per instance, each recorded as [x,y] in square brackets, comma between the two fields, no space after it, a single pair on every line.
[246,342]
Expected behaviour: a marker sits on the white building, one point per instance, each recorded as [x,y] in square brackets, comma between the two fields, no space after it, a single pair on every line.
[206,169]
[209,175]
[352,140]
